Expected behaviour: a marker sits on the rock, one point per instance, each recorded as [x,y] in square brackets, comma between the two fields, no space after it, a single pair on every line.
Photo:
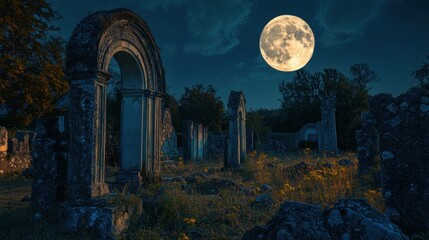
[264,198]
[327,165]
[348,219]
[265,188]
[195,178]
[345,163]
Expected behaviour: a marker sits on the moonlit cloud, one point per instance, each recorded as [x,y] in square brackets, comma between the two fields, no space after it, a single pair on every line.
[213,25]
[211,34]
[345,20]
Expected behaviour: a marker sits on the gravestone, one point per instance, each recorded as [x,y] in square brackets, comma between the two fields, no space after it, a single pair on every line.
[237,129]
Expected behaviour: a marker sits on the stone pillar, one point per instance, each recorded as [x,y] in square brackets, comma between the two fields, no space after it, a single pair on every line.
[367,142]
[237,129]
[243,138]
[328,126]
[234,143]
[49,165]
[155,173]
[205,143]
[87,124]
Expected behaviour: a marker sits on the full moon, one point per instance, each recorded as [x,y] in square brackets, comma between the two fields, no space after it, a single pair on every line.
[287,43]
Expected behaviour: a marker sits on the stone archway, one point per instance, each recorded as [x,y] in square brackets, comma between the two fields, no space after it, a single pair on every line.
[123,35]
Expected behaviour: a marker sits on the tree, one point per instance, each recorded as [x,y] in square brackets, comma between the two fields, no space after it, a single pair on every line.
[201,105]
[31,61]
[422,74]
[301,100]
[255,122]
[172,104]
[303,96]
[363,75]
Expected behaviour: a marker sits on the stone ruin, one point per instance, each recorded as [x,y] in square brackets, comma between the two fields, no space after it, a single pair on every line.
[236,150]
[14,152]
[397,131]
[194,139]
[69,151]
[324,131]
[168,137]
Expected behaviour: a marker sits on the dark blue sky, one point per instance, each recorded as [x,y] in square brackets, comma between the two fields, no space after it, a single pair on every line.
[217,41]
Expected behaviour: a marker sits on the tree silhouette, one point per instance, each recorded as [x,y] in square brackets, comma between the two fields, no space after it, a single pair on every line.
[31,61]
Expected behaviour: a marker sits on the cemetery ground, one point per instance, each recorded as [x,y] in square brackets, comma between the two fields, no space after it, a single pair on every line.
[205,201]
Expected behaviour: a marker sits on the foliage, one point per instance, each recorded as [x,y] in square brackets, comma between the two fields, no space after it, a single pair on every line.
[255,122]
[31,61]
[172,104]
[171,213]
[422,74]
[201,105]
[363,75]
[302,98]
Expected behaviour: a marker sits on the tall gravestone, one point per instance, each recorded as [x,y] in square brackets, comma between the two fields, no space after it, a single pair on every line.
[237,129]
[123,35]
[328,126]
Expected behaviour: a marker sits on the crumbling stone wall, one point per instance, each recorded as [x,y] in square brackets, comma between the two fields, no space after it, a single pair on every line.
[403,126]
[367,140]
[216,145]
[14,152]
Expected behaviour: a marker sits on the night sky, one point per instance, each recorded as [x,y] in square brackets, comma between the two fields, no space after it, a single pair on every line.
[217,41]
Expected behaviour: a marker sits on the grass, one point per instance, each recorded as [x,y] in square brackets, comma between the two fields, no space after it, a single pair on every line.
[169,212]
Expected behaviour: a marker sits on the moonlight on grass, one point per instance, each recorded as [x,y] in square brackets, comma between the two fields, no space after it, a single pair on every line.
[287,43]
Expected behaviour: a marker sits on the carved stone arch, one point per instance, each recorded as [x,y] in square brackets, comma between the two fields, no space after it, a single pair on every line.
[101,36]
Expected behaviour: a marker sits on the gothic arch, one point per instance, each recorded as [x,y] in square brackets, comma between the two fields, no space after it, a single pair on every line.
[101,36]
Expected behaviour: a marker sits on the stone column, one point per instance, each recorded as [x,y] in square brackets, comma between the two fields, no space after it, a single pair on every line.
[243,139]
[87,118]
